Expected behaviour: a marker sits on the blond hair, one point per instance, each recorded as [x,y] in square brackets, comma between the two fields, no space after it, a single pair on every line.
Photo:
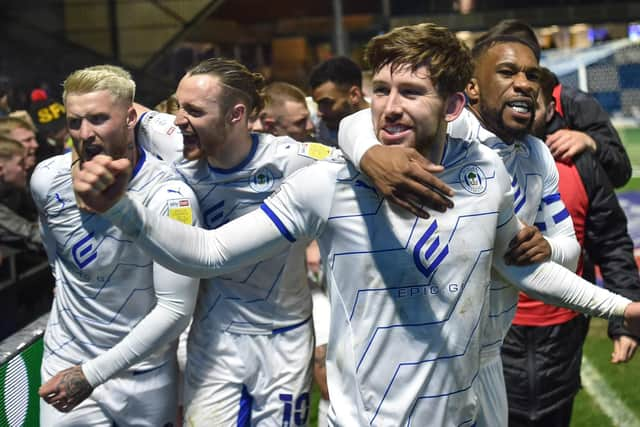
[9,123]
[10,147]
[114,79]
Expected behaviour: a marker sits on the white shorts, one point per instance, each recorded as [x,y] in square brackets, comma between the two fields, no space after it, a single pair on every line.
[147,398]
[246,380]
[492,392]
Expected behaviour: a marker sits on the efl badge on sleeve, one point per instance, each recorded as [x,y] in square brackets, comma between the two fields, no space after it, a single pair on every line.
[180,210]
[314,150]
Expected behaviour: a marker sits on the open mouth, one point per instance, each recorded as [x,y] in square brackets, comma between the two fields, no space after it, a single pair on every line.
[92,150]
[521,107]
[191,147]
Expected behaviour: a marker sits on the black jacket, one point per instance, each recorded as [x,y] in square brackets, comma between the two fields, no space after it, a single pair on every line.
[583,112]
[607,242]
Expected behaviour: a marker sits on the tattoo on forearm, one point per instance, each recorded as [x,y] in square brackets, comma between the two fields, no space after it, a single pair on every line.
[75,385]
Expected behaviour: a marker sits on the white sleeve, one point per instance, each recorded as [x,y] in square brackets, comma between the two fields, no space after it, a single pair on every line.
[356,135]
[557,228]
[176,296]
[157,133]
[39,186]
[553,218]
[554,284]
[253,237]
[194,251]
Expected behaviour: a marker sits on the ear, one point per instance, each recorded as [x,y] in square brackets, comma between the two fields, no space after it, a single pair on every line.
[473,91]
[454,106]
[551,110]
[132,117]
[355,95]
[269,124]
[238,113]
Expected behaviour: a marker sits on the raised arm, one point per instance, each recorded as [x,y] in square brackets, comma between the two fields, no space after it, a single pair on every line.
[176,296]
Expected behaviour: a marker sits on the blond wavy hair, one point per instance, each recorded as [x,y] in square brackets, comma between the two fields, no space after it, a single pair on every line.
[114,79]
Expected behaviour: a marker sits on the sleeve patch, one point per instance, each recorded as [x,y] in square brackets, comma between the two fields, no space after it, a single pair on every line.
[180,210]
[314,150]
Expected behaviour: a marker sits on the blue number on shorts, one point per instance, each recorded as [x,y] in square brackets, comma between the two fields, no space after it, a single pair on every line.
[301,412]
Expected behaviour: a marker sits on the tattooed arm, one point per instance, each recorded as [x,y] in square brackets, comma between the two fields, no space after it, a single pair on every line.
[66,389]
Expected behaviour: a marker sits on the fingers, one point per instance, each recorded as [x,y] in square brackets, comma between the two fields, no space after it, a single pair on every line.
[528,247]
[407,179]
[624,347]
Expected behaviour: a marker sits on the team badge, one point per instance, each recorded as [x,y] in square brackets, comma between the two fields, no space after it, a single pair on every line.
[314,150]
[262,180]
[473,179]
[180,210]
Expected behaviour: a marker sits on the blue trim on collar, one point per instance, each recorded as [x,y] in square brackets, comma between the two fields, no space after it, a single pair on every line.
[142,156]
[254,147]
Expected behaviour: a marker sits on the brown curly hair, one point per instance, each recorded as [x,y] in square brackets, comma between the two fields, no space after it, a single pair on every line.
[447,58]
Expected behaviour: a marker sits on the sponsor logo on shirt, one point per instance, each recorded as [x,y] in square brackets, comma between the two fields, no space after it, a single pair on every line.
[180,210]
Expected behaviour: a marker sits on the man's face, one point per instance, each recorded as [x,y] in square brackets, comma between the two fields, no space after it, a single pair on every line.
[98,123]
[292,119]
[539,128]
[334,103]
[507,77]
[406,108]
[28,140]
[14,171]
[200,117]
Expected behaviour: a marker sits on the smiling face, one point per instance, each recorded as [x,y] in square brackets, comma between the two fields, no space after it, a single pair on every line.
[201,117]
[28,140]
[99,123]
[504,89]
[407,109]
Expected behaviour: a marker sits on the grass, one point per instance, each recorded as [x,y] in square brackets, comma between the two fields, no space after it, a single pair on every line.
[623,379]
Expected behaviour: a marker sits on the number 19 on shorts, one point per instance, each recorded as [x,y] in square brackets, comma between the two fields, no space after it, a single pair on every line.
[296,411]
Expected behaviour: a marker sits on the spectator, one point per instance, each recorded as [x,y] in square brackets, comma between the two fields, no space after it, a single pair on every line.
[15,230]
[49,117]
[336,86]
[169,105]
[21,131]
[5,94]
[542,352]
[285,112]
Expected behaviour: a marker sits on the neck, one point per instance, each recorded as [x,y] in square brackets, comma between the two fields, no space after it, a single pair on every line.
[434,149]
[504,136]
[232,152]
[132,152]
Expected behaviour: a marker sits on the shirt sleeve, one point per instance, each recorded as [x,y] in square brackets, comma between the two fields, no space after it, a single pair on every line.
[156,133]
[554,284]
[356,135]
[553,218]
[175,294]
